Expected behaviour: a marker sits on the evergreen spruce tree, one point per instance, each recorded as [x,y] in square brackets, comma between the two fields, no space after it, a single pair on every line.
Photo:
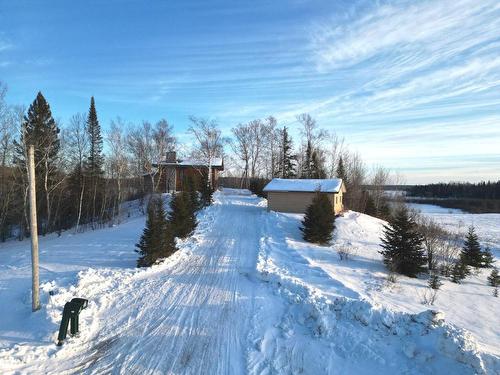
[341,173]
[460,271]
[317,170]
[384,210]
[157,240]
[95,159]
[434,281]
[193,193]
[494,278]
[319,220]
[206,191]
[40,130]
[471,252]
[182,216]
[94,163]
[487,258]
[403,245]
[306,168]
[287,160]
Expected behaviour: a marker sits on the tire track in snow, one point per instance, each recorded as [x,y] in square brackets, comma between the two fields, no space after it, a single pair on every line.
[198,324]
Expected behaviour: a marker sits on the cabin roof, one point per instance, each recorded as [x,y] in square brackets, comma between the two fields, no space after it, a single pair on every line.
[332,185]
[216,163]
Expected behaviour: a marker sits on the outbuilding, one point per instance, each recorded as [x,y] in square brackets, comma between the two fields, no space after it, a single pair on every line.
[295,195]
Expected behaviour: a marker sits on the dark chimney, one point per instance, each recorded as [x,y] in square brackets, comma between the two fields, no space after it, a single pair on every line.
[171,157]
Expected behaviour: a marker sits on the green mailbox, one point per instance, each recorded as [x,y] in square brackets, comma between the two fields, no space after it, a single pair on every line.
[71,315]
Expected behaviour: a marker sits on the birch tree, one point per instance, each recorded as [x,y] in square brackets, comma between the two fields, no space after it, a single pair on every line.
[118,160]
[77,141]
[208,142]
[241,147]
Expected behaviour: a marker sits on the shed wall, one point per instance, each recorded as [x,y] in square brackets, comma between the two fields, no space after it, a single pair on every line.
[297,202]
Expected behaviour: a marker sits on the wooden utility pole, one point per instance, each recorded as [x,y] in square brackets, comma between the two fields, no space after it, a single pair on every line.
[35,295]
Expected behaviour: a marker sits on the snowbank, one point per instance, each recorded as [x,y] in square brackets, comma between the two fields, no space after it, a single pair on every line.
[362,335]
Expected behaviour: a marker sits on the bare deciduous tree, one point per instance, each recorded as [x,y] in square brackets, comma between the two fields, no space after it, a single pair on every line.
[77,145]
[241,147]
[272,147]
[310,131]
[433,236]
[356,179]
[209,142]
[335,148]
[118,160]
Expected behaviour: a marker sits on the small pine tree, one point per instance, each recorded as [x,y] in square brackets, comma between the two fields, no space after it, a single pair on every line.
[206,192]
[182,216]
[402,243]
[434,282]
[319,220]
[494,281]
[193,193]
[384,210]
[487,258]
[494,278]
[306,168]
[157,240]
[471,252]
[460,271]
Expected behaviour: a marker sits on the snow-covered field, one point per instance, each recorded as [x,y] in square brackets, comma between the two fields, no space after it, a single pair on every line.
[245,294]
[487,225]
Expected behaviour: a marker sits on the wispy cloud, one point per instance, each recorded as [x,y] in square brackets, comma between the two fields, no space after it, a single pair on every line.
[4,42]
[407,33]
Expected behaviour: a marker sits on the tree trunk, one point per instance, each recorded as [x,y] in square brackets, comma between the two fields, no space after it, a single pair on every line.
[94,182]
[80,203]
[119,198]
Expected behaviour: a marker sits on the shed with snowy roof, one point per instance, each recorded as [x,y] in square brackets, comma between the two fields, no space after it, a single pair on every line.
[295,195]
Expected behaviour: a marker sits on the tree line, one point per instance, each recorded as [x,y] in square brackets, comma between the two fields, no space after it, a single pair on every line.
[480,190]
[78,185]
[264,149]
[85,173]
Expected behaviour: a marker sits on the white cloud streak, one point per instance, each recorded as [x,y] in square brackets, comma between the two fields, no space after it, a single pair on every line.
[414,31]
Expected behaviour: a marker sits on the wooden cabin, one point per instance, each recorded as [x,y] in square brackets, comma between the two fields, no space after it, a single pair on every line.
[171,174]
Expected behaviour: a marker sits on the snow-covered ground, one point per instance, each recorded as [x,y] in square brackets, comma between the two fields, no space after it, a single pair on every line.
[487,225]
[61,258]
[245,294]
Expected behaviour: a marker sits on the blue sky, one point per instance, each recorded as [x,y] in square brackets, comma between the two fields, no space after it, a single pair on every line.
[411,85]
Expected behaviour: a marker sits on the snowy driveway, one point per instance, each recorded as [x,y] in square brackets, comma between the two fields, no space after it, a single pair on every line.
[189,316]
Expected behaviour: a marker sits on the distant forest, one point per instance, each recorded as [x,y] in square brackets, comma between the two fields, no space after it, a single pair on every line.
[481,190]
